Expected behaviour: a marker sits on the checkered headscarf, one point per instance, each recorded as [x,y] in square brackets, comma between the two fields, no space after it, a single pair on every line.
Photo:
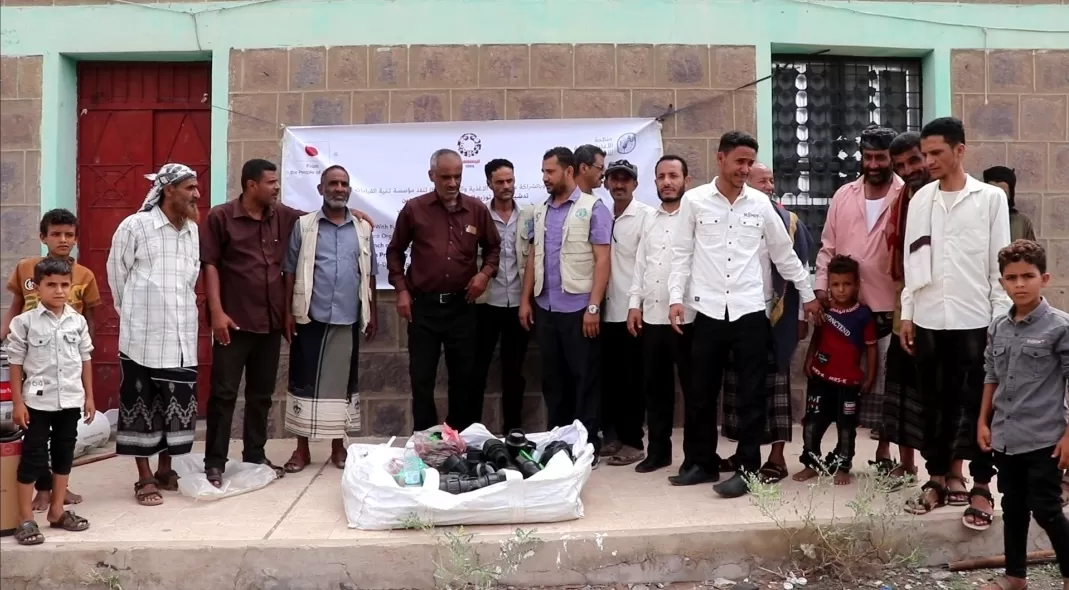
[169,174]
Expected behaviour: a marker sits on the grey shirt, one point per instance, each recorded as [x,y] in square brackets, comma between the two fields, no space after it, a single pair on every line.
[336,278]
[1029,360]
[506,285]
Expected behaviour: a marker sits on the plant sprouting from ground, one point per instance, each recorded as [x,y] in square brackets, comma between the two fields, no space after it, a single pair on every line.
[459,566]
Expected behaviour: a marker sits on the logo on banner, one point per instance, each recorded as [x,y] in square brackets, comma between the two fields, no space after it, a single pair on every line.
[469,145]
[626,143]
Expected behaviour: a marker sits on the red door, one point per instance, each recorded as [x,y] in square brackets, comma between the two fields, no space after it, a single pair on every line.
[133,118]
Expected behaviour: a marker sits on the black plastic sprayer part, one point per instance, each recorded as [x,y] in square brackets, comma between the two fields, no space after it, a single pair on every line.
[460,484]
[455,464]
[557,446]
[527,465]
[494,451]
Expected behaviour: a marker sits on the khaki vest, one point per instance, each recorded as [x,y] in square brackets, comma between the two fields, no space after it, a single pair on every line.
[308,225]
[576,251]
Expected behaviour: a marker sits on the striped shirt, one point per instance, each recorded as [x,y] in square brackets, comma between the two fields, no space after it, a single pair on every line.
[152,271]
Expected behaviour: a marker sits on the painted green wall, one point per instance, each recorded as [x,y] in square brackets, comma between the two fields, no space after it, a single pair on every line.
[179,31]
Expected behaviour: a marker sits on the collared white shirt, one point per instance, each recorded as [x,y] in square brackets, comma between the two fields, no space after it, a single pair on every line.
[50,349]
[965,292]
[716,255]
[505,288]
[623,248]
[152,271]
[649,288]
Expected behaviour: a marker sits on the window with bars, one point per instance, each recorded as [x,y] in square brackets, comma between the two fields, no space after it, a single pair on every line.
[820,104]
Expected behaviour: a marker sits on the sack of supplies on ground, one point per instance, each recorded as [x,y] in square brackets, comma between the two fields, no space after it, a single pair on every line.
[443,478]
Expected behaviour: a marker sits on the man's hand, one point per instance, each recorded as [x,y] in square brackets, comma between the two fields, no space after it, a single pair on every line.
[676,317]
[867,385]
[362,217]
[1061,453]
[526,315]
[290,327]
[983,438]
[591,324]
[808,367]
[814,312]
[221,326]
[404,305]
[634,321]
[20,415]
[372,328]
[905,336]
[803,330]
[477,286]
[822,297]
[90,410]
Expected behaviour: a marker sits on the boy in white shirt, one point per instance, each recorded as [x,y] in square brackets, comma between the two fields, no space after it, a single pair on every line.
[52,384]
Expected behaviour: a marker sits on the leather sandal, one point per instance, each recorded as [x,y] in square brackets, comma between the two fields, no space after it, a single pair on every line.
[923,504]
[981,519]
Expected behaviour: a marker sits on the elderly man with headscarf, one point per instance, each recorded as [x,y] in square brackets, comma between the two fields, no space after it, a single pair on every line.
[856,227]
[152,269]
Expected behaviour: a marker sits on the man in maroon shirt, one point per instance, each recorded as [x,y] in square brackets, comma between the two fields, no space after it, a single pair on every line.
[242,249]
[446,230]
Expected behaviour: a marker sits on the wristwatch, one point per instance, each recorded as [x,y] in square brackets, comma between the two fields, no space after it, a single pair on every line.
[593,309]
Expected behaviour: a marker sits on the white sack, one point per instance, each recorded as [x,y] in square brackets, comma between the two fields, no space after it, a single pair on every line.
[238,478]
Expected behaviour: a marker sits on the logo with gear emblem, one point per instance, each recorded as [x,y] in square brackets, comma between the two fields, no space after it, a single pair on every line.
[469,145]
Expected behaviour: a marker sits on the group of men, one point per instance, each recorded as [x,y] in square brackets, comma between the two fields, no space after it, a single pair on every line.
[711,284]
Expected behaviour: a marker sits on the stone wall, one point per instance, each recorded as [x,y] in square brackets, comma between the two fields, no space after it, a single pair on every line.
[1015,105]
[20,161]
[271,88]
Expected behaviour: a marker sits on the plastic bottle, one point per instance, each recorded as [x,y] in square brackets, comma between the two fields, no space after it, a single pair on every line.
[413,470]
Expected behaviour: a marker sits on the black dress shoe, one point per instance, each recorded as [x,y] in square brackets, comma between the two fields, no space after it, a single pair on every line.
[736,487]
[693,476]
[653,463]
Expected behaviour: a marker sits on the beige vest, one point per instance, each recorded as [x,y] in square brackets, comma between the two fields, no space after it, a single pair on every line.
[576,251]
[308,225]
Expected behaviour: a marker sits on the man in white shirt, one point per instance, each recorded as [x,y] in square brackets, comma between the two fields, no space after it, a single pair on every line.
[623,406]
[955,228]
[662,348]
[498,309]
[152,270]
[717,270]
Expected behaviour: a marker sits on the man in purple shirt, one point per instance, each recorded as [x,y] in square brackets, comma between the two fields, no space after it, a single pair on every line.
[566,275]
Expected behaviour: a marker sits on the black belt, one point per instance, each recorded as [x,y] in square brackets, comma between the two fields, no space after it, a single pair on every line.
[441,298]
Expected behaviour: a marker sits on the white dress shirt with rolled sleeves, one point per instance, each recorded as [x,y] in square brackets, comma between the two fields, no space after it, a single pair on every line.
[653,263]
[716,255]
[623,248]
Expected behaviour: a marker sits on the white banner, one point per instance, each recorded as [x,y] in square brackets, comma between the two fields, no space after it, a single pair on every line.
[388,164]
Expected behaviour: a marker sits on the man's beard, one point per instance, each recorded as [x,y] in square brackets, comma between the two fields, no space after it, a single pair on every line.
[671,199]
[880,176]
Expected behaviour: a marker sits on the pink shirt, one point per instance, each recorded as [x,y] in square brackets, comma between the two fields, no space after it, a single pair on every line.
[846,232]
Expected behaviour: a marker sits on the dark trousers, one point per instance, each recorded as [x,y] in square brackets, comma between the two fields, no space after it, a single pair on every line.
[746,339]
[623,403]
[827,402]
[255,356]
[571,371]
[950,380]
[501,323]
[663,353]
[442,321]
[1031,488]
[50,434]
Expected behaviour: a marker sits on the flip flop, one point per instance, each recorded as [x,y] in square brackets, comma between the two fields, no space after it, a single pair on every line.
[627,455]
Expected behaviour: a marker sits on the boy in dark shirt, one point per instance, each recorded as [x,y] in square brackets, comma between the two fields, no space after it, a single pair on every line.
[1022,416]
[836,379]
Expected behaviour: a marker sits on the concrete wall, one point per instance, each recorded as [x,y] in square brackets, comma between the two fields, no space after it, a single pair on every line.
[288,62]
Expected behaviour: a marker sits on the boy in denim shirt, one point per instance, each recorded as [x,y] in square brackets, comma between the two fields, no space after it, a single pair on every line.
[1022,417]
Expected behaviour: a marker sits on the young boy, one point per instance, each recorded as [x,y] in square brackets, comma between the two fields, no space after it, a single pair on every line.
[59,232]
[52,384]
[836,379]
[1022,416]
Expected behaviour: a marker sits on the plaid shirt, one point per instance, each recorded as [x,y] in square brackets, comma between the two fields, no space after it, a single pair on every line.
[152,271]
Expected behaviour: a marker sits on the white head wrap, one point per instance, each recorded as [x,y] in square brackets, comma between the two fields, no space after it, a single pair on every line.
[169,174]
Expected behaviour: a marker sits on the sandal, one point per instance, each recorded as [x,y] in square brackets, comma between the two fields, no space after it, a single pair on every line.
[1004,583]
[610,449]
[627,455]
[70,522]
[279,471]
[923,504]
[297,462]
[906,477]
[28,533]
[168,480]
[214,476]
[145,497]
[957,497]
[981,519]
[772,473]
[883,466]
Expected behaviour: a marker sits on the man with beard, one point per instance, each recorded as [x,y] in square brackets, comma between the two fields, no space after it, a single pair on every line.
[498,308]
[903,408]
[717,270]
[783,298]
[564,284]
[622,402]
[1021,227]
[855,227]
[662,348]
[448,232]
[955,228]
[590,167]
[329,275]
